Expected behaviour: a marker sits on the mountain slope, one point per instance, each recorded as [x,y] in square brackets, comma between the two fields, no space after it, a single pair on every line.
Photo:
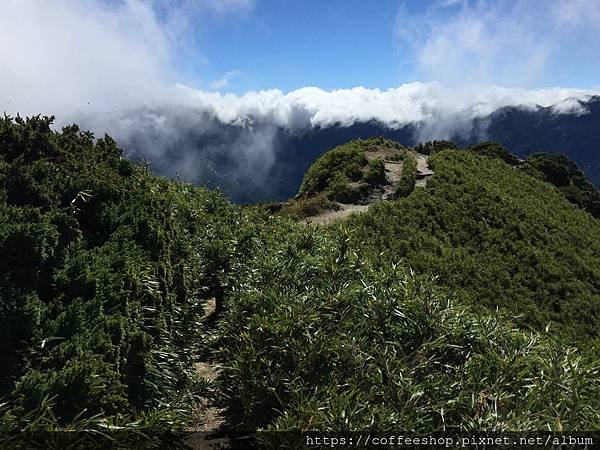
[524,131]
[105,269]
[329,329]
[499,237]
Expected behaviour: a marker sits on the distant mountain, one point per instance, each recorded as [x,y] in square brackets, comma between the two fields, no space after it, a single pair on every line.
[522,131]
[575,135]
[225,156]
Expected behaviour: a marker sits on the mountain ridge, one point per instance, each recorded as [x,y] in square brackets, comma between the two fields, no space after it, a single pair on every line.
[224,157]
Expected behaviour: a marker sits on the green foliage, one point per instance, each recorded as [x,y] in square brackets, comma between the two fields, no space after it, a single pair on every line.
[567,177]
[494,150]
[375,171]
[322,336]
[431,147]
[334,167]
[399,155]
[500,238]
[345,173]
[308,207]
[406,183]
[105,269]
[103,273]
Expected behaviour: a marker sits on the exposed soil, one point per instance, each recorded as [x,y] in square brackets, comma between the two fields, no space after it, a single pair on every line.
[208,421]
[393,172]
[423,170]
[331,216]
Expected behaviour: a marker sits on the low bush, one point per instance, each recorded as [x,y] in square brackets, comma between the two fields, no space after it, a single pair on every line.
[431,147]
[344,172]
[494,150]
[563,173]
[406,183]
[342,164]
[103,275]
[308,207]
[375,172]
[500,238]
[320,336]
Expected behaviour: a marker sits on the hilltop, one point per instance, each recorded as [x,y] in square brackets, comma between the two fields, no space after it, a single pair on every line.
[134,302]
[353,176]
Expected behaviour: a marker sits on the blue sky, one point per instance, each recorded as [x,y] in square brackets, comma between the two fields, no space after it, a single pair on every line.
[334,44]
[288,45]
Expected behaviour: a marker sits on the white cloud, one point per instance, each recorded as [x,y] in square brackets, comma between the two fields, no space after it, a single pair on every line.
[409,103]
[577,13]
[72,58]
[87,58]
[227,6]
[510,43]
[63,56]
[225,80]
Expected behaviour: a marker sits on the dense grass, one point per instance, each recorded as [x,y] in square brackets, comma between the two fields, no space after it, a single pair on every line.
[499,237]
[330,330]
[494,150]
[104,270]
[406,183]
[307,207]
[103,273]
[323,336]
[431,147]
[567,177]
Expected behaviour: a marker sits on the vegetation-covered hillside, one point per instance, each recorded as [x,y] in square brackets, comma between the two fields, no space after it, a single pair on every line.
[414,315]
[498,236]
[321,335]
[350,176]
[568,178]
[349,171]
[104,269]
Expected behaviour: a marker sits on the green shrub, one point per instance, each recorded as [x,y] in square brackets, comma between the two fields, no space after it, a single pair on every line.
[321,336]
[375,172]
[347,163]
[103,275]
[494,150]
[342,163]
[406,183]
[431,147]
[563,173]
[500,238]
[398,156]
[105,269]
[308,207]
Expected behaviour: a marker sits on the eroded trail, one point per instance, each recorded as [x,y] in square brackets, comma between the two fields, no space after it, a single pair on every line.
[331,216]
[393,172]
[423,171]
[208,419]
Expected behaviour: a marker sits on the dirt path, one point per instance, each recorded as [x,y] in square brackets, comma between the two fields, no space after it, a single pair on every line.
[208,420]
[393,171]
[423,171]
[331,216]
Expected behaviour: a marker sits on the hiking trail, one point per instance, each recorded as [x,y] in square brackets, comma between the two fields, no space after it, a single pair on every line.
[393,172]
